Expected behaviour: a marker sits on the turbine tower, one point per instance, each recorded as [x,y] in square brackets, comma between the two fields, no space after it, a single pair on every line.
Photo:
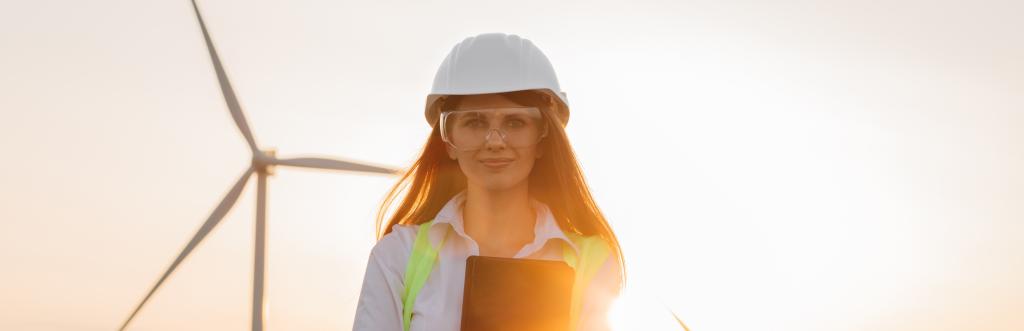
[263,162]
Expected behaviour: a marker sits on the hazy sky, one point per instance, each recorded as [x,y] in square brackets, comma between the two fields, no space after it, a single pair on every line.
[797,165]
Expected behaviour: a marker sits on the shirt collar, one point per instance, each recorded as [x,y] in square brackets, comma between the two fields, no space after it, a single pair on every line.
[545,228]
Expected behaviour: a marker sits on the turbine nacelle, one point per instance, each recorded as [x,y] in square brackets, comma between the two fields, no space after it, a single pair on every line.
[264,160]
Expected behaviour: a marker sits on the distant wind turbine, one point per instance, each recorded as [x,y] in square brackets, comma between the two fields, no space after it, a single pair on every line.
[263,162]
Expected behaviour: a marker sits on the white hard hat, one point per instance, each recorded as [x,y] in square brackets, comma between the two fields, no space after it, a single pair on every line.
[495,63]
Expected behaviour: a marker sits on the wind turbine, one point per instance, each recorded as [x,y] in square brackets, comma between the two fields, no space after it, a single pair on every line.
[263,162]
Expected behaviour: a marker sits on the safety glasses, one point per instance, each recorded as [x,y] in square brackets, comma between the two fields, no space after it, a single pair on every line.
[472,129]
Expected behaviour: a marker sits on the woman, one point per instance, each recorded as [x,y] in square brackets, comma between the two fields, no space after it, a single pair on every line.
[497,177]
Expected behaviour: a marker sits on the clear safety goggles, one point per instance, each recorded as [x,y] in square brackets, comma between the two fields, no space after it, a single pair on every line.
[472,129]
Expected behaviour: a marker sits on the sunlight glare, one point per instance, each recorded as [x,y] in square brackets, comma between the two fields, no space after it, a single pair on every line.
[635,310]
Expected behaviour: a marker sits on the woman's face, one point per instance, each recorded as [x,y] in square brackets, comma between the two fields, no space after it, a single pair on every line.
[496,166]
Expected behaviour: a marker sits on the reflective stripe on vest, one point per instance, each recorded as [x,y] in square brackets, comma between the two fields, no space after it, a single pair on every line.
[593,252]
[417,270]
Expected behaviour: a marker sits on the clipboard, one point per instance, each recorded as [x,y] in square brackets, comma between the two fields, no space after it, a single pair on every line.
[516,294]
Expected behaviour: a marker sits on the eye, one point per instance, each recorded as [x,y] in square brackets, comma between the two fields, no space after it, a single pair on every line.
[516,123]
[473,123]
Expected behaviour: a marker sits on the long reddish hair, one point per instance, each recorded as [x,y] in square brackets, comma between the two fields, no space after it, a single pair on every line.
[556,180]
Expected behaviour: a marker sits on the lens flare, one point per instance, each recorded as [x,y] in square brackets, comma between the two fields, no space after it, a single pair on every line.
[636,310]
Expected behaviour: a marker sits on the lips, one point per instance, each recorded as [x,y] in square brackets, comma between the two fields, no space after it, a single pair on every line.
[496,163]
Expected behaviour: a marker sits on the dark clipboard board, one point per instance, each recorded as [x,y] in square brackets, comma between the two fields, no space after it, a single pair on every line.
[516,294]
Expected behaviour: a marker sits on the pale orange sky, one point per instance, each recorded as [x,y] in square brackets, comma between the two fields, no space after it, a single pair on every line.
[799,165]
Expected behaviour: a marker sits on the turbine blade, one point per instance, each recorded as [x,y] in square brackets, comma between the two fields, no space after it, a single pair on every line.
[331,164]
[678,320]
[211,222]
[225,86]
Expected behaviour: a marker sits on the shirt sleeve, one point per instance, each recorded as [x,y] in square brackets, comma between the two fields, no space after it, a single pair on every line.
[380,300]
[599,296]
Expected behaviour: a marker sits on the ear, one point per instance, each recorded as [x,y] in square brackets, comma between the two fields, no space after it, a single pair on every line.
[450,151]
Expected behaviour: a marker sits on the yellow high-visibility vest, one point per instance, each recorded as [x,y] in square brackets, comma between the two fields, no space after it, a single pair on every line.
[593,253]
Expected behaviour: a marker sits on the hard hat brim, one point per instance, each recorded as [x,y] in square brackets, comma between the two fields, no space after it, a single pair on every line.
[432,111]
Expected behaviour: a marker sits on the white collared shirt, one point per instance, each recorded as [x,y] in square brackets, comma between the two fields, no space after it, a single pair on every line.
[438,306]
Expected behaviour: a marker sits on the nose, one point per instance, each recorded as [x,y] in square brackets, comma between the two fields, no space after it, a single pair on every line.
[496,144]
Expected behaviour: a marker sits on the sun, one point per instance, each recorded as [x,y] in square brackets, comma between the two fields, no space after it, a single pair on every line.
[635,310]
